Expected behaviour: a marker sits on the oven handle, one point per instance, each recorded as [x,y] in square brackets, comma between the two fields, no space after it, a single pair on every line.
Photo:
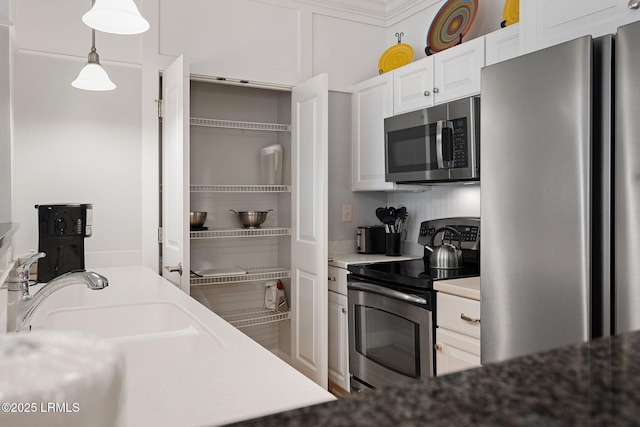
[368,287]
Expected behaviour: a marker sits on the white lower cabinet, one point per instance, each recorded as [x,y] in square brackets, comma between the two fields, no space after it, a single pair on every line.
[458,333]
[338,331]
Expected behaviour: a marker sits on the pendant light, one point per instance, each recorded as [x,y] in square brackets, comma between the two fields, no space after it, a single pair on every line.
[116,17]
[93,76]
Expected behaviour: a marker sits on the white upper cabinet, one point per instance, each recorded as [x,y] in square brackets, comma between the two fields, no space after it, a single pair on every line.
[502,44]
[413,86]
[451,74]
[550,22]
[456,71]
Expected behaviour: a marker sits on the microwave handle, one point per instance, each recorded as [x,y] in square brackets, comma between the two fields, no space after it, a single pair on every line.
[444,144]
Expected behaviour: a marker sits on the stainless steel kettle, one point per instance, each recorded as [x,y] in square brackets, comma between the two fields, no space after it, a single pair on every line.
[446,255]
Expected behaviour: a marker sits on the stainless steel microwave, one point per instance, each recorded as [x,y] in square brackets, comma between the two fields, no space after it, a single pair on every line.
[437,144]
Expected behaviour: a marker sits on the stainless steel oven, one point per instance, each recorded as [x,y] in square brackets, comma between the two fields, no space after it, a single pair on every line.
[392,309]
[390,334]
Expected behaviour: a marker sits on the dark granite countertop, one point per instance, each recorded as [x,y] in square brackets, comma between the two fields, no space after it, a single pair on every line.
[594,384]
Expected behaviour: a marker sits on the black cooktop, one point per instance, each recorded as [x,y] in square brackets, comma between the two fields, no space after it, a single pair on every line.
[412,273]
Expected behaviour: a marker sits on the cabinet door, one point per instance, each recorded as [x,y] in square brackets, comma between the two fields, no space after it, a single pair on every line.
[413,86]
[309,238]
[457,71]
[550,22]
[175,174]
[371,102]
[502,44]
[338,341]
[455,352]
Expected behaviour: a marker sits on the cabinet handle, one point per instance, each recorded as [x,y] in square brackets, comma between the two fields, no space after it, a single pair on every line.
[176,269]
[469,319]
[332,279]
[438,347]
[436,90]
[344,310]
[427,93]
[634,4]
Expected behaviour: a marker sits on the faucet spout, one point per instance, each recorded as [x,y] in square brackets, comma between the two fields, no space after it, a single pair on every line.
[21,305]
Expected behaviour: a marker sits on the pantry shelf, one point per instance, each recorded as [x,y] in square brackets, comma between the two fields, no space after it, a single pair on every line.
[240,232]
[253,317]
[232,124]
[240,188]
[254,274]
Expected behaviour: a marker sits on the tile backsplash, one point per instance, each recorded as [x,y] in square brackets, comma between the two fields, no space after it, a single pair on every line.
[439,201]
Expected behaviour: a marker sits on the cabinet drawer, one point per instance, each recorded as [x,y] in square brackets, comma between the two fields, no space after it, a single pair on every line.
[459,314]
[337,280]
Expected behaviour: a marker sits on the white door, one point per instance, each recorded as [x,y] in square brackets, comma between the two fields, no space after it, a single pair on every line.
[175,174]
[309,144]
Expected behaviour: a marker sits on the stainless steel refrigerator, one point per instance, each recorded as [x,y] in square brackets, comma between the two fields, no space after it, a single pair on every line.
[560,195]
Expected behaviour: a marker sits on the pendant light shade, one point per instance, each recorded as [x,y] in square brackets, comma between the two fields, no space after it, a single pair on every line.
[93,76]
[116,17]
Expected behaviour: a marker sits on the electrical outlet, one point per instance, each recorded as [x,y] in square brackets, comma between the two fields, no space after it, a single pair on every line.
[346,213]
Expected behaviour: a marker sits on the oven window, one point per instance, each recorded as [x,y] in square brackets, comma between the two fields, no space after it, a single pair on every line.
[412,149]
[387,339]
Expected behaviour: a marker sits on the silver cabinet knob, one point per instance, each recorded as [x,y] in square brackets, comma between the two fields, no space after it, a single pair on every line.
[332,279]
[427,93]
[438,347]
[344,310]
[436,90]
[634,4]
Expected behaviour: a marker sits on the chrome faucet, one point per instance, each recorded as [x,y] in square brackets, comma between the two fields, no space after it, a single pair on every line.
[21,304]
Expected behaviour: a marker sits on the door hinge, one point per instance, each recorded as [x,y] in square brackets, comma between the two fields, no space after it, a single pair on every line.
[159,234]
[160,108]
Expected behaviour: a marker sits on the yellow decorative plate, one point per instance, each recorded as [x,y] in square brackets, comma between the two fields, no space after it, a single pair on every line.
[394,57]
[511,12]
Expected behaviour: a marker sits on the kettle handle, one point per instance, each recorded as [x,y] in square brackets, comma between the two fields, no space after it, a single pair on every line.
[447,228]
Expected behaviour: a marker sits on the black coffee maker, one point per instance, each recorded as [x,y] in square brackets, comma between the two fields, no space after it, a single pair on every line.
[62,229]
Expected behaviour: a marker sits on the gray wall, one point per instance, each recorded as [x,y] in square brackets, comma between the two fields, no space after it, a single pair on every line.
[363,204]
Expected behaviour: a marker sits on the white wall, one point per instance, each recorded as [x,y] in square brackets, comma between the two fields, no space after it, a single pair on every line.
[106,134]
[78,146]
[363,204]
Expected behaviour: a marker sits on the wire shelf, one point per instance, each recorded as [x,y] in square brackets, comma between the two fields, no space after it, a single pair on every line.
[240,188]
[253,317]
[233,124]
[254,274]
[240,232]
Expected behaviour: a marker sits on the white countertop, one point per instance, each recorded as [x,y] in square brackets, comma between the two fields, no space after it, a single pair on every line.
[467,287]
[344,260]
[241,381]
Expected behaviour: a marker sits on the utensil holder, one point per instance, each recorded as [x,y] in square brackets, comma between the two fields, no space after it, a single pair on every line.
[393,243]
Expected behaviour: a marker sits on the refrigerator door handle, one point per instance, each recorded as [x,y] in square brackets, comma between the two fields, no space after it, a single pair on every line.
[444,144]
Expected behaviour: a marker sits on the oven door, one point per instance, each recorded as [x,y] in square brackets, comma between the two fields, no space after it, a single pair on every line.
[390,336]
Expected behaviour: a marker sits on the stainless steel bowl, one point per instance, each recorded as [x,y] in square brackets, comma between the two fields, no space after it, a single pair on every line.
[197,219]
[251,219]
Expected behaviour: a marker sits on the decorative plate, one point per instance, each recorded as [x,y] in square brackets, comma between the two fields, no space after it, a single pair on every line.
[511,12]
[450,24]
[394,57]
